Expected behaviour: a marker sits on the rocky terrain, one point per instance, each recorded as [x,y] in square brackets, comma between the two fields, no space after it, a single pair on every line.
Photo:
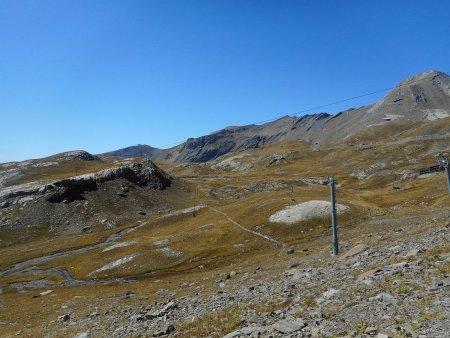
[393,283]
[82,203]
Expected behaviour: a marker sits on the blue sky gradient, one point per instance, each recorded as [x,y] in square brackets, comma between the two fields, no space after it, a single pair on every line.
[102,75]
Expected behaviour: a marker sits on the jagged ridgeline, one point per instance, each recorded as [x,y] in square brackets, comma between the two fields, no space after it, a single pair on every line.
[421,98]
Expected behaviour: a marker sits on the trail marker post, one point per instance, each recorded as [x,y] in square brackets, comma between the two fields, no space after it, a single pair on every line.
[333,217]
[443,162]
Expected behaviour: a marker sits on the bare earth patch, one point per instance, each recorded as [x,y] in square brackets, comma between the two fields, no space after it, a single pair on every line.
[303,211]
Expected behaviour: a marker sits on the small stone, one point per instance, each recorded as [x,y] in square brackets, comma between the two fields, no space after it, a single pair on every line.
[137,318]
[45,293]
[290,251]
[165,310]
[371,331]
[82,335]
[384,297]
[94,314]
[383,335]
[165,331]
[250,329]
[128,294]
[357,249]
[412,253]
[287,326]
[64,318]
[435,285]
[276,313]
[233,334]
[330,293]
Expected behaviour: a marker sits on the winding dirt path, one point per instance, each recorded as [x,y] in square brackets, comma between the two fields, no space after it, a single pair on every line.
[265,237]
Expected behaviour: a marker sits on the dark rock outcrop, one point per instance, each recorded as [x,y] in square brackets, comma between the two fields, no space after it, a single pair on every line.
[71,189]
[143,175]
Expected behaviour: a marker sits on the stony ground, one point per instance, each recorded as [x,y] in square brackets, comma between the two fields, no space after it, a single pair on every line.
[391,283]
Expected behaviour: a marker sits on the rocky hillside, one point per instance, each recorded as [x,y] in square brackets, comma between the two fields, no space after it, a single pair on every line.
[12,173]
[73,204]
[424,97]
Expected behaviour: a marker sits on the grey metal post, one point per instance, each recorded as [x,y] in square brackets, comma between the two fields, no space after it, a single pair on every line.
[448,177]
[333,218]
[443,162]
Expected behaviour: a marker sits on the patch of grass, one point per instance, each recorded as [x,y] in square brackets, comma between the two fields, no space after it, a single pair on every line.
[218,324]
[310,301]
[215,324]
[360,326]
[65,169]
[406,288]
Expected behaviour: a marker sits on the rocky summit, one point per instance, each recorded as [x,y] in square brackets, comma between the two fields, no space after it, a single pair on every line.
[229,234]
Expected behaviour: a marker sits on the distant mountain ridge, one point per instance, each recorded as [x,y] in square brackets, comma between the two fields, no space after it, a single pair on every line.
[140,150]
[423,97]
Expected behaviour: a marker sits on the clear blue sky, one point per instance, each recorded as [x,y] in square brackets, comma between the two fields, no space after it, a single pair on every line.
[102,75]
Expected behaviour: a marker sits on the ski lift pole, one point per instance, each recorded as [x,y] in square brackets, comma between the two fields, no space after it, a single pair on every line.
[443,162]
[447,173]
[333,217]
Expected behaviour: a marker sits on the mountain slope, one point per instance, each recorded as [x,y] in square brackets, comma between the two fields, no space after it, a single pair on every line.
[424,97]
[140,150]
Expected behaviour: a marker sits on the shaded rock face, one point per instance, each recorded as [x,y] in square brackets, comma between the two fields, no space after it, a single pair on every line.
[71,189]
[208,147]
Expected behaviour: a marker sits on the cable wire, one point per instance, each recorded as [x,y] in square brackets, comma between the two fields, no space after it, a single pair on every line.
[325,105]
